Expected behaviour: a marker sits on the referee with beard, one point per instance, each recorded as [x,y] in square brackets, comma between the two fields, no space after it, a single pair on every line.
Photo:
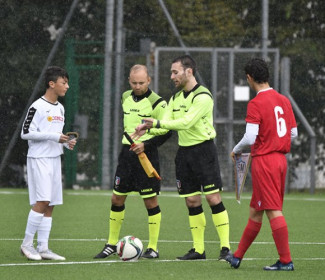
[190,113]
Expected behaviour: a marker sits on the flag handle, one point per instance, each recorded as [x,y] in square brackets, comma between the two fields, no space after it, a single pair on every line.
[127,136]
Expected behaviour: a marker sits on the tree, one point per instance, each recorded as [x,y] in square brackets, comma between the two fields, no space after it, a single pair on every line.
[297,28]
[28,30]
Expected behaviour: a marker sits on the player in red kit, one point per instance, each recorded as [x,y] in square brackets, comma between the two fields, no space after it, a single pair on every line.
[270,127]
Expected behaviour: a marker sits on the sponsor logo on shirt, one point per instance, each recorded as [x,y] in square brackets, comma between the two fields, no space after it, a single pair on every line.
[55,118]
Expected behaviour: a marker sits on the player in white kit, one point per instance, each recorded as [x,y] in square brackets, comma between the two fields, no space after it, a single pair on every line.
[42,128]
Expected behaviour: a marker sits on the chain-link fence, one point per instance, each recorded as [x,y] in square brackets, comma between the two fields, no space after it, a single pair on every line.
[219,69]
[222,71]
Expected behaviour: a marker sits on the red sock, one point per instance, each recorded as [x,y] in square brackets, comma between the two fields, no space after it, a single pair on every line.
[281,238]
[251,231]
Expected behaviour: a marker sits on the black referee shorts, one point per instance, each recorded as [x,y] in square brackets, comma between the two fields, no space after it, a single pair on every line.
[197,169]
[130,176]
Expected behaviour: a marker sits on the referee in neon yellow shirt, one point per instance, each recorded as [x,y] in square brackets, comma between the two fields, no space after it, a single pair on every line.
[130,177]
[190,113]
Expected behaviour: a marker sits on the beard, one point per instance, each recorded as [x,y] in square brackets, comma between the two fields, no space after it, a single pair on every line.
[181,83]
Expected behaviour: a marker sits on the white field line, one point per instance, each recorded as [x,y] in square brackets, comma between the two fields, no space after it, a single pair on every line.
[45,263]
[164,241]
[163,194]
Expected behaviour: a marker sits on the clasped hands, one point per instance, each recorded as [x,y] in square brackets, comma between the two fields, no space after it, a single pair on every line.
[68,143]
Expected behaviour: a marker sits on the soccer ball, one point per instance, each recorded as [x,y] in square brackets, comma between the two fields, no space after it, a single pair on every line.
[129,248]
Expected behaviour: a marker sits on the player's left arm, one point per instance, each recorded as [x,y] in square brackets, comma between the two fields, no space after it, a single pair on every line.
[253,119]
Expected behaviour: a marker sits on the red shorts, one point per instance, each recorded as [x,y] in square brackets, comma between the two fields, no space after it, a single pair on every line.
[268,177]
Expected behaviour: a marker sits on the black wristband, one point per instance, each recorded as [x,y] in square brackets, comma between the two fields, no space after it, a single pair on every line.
[158,124]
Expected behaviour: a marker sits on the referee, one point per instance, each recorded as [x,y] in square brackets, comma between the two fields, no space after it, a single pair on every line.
[190,113]
[130,177]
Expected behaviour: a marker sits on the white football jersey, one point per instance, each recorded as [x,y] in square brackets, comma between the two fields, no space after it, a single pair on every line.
[42,128]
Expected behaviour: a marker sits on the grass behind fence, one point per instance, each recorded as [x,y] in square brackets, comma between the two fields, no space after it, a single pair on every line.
[80,230]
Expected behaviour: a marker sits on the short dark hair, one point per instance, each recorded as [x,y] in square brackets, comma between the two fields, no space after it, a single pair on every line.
[187,62]
[52,73]
[258,70]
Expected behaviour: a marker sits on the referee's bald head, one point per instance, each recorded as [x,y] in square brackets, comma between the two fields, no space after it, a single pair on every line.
[138,67]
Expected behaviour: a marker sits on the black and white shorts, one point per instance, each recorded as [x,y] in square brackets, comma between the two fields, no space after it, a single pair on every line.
[130,176]
[197,169]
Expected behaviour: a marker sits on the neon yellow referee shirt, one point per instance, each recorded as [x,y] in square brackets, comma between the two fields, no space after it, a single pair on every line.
[191,115]
[136,108]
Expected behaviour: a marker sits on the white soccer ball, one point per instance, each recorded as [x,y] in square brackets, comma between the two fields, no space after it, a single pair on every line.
[129,248]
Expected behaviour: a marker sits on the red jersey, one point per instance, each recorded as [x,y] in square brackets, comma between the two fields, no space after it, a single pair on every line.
[273,113]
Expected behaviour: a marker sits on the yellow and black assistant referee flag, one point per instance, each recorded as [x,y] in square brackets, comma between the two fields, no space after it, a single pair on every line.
[145,162]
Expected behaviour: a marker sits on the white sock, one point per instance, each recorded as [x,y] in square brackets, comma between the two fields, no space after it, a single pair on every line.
[43,234]
[33,222]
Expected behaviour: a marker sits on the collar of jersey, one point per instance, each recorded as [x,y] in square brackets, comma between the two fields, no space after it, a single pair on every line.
[137,98]
[43,98]
[187,93]
[262,90]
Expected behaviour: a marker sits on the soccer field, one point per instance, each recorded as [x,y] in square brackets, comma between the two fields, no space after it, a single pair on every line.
[80,230]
